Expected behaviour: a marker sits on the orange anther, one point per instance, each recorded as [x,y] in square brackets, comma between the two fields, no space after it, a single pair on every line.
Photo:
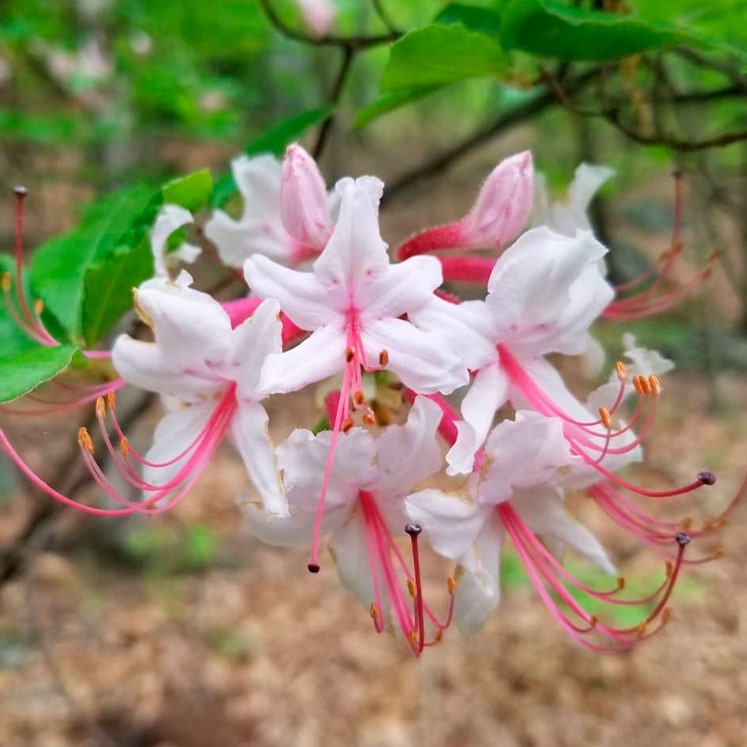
[666,615]
[84,439]
[621,582]
[369,419]
[7,282]
[359,398]
[622,370]
[111,400]
[38,306]
[641,629]
[411,587]
[384,358]
[655,384]
[347,424]
[373,610]
[100,408]
[124,446]
[637,385]
[604,416]
[451,584]
[645,385]
[349,354]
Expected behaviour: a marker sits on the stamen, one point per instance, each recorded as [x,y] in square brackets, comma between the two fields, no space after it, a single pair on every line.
[111,400]
[622,371]
[451,584]
[655,384]
[706,477]
[100,408]
[84,439]
[359,398]
[384,358]
[347,424]
[604,416]
[349,355]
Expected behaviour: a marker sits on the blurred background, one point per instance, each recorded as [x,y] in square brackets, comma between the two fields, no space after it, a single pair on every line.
[181,631]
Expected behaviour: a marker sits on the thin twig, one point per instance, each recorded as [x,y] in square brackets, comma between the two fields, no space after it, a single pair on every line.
[384,17]
[515,116]
[348,53]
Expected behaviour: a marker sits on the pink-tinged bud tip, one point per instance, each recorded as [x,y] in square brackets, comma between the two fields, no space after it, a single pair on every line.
[318,16]
[502,208]
[303,199]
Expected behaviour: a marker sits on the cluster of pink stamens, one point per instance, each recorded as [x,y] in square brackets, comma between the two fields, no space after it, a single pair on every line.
[388,566]
[554,583]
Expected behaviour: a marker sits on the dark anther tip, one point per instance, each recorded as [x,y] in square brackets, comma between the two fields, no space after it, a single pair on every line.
[20,190]
[707,477]
[683,538]
[314,567]
[413,529]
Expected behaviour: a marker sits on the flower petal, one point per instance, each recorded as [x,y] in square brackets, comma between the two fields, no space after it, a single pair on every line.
[489,392]
[355,250]
[478,589]
[545,515]
[252,440]
[142,364]
[253,340]
[320,355]
[303,458]
[533,284]
[422,360]
[450,522]
[176,431]
[191,328]
[308,303]
[409,453]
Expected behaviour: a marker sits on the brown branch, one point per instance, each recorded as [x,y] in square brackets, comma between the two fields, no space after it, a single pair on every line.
[683,145]
[520,113]
[348,53]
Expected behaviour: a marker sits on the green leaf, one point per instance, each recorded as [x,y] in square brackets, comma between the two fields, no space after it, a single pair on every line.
[548,28]
[472,17]
[191,192]
[437,55]
[390,101]
[59,269]
[23,372]
[274,140]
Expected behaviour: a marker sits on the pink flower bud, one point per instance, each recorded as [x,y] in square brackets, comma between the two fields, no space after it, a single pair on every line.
[503,205]
[318,15]
[303,199]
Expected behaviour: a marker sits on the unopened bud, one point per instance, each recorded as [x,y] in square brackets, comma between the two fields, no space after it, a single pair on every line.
[503,205]
[318,16]
[303,199]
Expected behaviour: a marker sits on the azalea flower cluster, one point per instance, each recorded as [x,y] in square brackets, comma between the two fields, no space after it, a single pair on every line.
[414,383]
